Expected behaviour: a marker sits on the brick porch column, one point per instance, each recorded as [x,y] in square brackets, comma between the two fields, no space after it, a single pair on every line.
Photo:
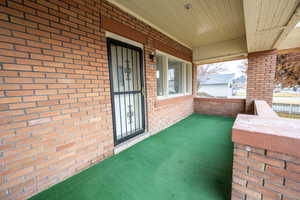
[261,73]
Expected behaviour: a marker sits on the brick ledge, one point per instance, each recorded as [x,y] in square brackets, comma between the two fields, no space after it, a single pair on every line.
[220,99]
[172,100]
[275,134]
[262,109]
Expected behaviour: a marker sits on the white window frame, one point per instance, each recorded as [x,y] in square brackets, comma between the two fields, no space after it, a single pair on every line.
[189,87]
[185,65]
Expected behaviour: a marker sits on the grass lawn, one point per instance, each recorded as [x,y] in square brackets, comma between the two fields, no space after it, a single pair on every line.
[294,116]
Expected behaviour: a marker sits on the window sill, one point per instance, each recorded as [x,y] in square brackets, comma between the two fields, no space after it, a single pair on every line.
[173,96]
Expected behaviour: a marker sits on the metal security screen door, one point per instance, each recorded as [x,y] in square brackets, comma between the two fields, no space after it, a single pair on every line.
[126,80]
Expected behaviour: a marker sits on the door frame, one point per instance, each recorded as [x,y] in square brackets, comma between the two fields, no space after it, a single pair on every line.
[142,84]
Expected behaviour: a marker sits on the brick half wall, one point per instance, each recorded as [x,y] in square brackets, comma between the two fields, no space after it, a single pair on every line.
[266,161]
[223,107]
[169,111]
[264,175]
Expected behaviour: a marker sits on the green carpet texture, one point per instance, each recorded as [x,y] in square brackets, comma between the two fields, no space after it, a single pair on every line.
[191,160]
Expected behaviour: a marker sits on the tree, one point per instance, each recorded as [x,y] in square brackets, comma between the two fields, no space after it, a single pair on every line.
[207,70]
[287,72]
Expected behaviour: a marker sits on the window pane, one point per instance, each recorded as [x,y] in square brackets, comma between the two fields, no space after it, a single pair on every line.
[159,75]
[222,80]
[175,77]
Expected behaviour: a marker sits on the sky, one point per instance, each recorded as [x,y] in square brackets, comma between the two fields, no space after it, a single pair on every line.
[232,67]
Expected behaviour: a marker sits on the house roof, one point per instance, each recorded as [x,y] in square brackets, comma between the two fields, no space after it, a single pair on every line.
[217,79]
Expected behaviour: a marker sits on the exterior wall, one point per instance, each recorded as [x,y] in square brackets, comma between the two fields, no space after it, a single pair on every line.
[224,107]
[55,94]
[264,175]
[169,111]
[260,78]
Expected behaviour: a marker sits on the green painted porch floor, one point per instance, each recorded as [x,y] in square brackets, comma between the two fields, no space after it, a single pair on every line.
[190,160]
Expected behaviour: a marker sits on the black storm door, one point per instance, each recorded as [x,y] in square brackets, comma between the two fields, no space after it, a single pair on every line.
[127,90]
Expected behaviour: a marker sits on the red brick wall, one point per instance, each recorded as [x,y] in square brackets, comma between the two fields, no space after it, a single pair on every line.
[260,78]
[264,175]
[223,107]
[55,94]
[169,111]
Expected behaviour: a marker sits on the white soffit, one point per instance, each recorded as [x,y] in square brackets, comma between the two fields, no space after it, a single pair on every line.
[229,48]
[292,40]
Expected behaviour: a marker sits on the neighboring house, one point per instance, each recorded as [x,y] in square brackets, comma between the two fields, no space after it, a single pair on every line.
[219,85]
[240,82]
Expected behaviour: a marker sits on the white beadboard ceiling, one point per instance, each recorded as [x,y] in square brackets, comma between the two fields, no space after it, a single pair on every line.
[269,22]
[207,22]
[292,40]
[212,28]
